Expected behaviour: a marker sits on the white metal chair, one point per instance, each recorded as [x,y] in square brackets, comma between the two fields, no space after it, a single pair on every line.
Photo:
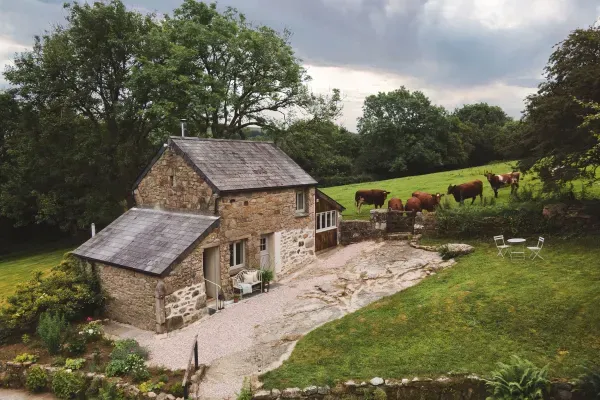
[535,251]
[500,245]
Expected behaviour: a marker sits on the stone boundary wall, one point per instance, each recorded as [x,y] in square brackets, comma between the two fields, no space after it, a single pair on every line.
[382,223]
[13,376]
[469,387]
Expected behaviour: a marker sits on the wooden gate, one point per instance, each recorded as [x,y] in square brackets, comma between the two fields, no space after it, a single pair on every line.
[324,240]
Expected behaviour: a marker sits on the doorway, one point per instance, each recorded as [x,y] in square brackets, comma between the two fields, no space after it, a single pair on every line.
[266,251]
[210,261]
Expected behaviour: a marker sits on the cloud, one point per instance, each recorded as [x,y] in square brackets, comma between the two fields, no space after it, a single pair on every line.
[455,50]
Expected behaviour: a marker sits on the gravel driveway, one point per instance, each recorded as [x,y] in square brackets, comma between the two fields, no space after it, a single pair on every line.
[258,333]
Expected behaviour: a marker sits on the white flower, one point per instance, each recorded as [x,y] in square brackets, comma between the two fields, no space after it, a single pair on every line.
[91,331]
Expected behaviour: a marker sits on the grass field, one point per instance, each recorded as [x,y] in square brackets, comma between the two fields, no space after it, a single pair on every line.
[464,319]
[19,268]
[431,183]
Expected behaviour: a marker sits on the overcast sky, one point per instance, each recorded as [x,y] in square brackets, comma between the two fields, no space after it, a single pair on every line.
[455,51]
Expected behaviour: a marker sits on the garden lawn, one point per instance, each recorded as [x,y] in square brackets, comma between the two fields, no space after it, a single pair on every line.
[432,183]
[465,319]
[20,268]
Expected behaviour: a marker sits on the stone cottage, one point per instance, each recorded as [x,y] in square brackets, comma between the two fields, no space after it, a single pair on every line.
[206,209]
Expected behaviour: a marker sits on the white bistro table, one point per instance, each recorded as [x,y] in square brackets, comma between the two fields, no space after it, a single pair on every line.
[517,241]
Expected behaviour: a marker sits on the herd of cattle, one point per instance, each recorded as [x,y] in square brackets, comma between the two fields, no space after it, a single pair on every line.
[424,201]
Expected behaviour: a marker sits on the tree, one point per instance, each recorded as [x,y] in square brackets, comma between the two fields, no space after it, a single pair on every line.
[559,144]
[480,128]
[228,73]
[90,117]
[403,133]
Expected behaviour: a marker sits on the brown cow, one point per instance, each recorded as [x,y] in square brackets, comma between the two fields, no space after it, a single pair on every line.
[413,204]
[428,201]
[499,181]
[395,204]
[469,190]
[370,196]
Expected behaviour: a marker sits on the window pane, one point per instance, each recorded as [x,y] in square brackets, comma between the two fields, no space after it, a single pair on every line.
[300,201]
[334,217]
[328,220]
[323,221]
[239,252]
[231,255]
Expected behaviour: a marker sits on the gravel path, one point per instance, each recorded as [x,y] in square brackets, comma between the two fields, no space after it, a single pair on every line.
[258,333]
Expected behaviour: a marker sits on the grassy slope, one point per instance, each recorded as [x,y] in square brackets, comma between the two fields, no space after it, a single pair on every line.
[465,319]
[431,183]
[19,268]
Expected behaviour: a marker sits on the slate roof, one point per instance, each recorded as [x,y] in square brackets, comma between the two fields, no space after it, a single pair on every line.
[241,165]
[333,202]
[147,240]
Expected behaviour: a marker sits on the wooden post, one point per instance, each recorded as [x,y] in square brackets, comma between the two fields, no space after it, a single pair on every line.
[196,354]
[186,391]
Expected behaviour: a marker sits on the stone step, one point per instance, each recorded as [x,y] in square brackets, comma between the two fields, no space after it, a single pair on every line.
[399,236]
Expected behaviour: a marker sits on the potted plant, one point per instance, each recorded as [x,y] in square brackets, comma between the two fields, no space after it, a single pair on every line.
[236,297]
[267,277]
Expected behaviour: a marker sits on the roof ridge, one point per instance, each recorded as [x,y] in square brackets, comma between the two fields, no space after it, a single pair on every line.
[220,139]
[186,213]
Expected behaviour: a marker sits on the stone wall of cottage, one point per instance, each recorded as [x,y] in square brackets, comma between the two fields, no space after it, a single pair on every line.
[185,300]
[172,184]
[130,295]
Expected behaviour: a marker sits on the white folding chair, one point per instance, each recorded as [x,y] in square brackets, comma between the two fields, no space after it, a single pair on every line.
[535,251]
[500,245]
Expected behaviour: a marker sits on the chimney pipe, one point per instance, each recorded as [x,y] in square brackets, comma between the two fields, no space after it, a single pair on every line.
[93,229]
[183,127]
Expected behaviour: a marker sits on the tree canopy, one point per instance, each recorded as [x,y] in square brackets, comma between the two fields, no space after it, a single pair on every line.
[561,144]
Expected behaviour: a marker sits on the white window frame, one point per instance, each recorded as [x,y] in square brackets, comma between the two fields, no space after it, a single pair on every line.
[233,254]
[303,196]
[326,221]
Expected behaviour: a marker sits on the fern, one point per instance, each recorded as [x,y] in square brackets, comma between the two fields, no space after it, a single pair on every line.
[518,380]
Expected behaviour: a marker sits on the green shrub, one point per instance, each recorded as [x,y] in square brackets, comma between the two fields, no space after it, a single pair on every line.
[379,394]
[67,385]
[94,388]
[163,378]
[116,368]
[177,389]
[68,289]
[149,386]
[51,330]
[110,391]
[123,348]
[58,361]
[267,275]
[26,357]
[136,368]
[36,380]
[246,392]
[26,339]
[76,345]
[589,383]
[518,380]
[74,363]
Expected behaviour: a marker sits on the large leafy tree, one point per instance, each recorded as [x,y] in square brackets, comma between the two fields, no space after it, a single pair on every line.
[480,127]
[560,142]
[90,115]
[228,74]
[404,133]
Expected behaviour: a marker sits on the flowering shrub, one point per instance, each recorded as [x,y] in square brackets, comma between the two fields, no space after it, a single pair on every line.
[25,357]
[92,330]
[69,289]
[76,345]
[148,386]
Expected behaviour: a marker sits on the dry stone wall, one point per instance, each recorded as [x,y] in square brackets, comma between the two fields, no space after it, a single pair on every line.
[185,306]
[172,184]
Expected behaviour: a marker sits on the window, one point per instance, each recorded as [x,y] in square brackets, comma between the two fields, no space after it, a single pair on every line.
[326,220]
[172,180]
[300,202]
[263,244]
[236,254]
